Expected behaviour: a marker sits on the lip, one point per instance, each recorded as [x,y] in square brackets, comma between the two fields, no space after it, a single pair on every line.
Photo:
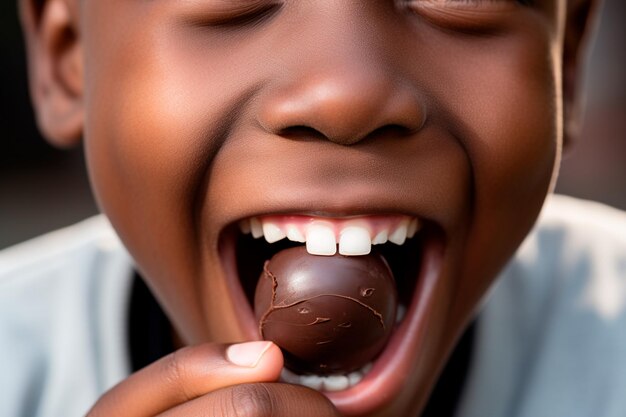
[384,382]
[388,375]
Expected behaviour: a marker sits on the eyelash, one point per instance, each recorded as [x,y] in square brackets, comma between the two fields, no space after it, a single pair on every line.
[522,2]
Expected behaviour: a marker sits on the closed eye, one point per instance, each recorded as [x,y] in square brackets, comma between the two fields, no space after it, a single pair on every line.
[232,14]
[468,3]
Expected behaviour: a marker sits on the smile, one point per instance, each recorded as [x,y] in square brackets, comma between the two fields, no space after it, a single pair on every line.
[413,248]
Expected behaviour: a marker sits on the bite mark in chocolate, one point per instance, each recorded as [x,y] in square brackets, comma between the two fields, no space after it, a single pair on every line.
[328,314]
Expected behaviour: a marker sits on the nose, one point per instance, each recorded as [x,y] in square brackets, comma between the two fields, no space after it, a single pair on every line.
[355,97]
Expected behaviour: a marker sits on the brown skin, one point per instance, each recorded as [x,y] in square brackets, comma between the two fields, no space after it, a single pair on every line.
[452,111]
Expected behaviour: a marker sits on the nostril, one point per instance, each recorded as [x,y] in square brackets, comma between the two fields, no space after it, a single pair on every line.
[392,131]
[306,133]
[302,132]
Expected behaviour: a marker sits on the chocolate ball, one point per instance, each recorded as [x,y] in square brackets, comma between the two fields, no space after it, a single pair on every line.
[329,314]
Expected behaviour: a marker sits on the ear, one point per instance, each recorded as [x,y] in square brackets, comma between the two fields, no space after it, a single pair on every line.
[581,16]
[55,68]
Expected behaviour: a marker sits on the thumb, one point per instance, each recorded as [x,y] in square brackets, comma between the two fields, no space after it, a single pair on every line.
[250,355]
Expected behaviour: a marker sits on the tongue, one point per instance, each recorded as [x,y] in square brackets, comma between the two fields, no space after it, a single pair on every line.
[329,314]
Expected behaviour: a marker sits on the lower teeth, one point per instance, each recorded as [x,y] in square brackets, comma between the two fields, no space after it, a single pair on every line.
[327,382]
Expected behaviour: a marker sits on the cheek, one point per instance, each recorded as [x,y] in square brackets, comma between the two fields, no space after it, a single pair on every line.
[517,144]
[505,110]
[148,150]
[142,145]
[164,103]
[151,137]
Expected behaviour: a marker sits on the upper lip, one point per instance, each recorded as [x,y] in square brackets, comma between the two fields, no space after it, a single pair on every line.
[314,193]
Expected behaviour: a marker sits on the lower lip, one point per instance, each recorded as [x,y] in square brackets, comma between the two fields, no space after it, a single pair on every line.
[240,301]
[391,370]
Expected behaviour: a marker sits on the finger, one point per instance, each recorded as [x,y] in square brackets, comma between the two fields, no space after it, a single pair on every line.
[187,374]
[258,400]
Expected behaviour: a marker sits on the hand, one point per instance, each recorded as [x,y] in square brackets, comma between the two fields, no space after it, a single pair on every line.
[213,380]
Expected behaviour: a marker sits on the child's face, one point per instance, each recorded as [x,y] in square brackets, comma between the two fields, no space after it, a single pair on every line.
[201,113]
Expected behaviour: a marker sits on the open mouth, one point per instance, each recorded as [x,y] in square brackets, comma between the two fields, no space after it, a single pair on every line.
[412,248]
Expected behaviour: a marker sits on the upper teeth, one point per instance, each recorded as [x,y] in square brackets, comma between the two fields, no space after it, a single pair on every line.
[399,235]
[320,240]
[322,235]
[355,240]
[255,227]
[272,232]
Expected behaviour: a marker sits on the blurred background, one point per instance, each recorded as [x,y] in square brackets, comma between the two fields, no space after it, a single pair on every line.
[42,188]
